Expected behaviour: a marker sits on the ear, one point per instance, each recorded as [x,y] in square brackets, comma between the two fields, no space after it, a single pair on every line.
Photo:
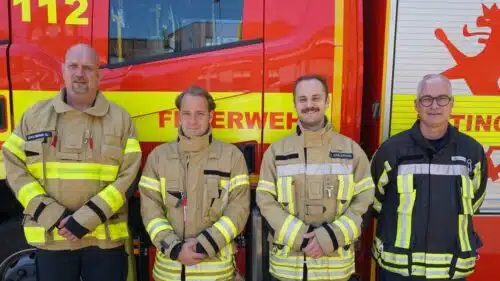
[211,116]
[415,104]
[327,101]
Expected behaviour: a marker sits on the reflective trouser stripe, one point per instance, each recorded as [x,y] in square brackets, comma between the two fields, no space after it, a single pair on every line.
[112,197]
[345,192]
[15,145]
[157,225]
[167,269]
[267,186]
[225,226]
[150,183]
[467,195]
[289,231]
[132,146]
[285,193]
[286,266]
[463,232]
[29,191]
[407,197]
[348,228]
[74,171]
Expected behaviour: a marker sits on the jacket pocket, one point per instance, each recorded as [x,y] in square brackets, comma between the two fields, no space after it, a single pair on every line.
[34,152]
[345,192]
[407,195]
[212,203]
[112,152]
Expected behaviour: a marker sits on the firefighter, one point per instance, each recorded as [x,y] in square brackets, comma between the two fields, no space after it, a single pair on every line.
[431,179]
[313,189]
[195,197]
[70,162]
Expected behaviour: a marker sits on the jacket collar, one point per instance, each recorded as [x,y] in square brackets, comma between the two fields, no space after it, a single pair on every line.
[194,144]
[420,140]
[314,138]
[99,108]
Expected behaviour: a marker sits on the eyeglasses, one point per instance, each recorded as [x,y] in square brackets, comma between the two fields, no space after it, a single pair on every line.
[442,100]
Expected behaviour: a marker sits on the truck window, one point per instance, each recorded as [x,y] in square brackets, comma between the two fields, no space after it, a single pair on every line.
[148,28]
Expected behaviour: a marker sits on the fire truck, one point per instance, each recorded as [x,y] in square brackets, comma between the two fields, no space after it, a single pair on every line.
[248,53]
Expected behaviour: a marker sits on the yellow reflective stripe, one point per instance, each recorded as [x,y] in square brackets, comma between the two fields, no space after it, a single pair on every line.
[431,272]
[267,186]
[285,193]
[463,232]
[238,181]
[348,228]
[467,263]
[118,230]
[163,188]
[377,205]
[29,191]
[479,202]
[132,146]
[289,230]
[227,228]
[392,258]
[227,252]
[112,197]
[363,185]
[34,234]
[477,176]
[345,192]
[74,171]
[150,183]
[407,197]
[467,195]
[15,145]
[157,225]
[384,178]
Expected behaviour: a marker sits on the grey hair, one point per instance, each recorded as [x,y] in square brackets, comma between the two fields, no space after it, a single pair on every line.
[430,77]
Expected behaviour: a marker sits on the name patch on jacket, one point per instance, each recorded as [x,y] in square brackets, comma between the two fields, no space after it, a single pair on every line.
[39,135]
[341,155]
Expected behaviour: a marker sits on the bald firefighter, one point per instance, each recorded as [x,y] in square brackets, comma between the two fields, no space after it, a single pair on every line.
[195,197]
[314,187]
[70,162]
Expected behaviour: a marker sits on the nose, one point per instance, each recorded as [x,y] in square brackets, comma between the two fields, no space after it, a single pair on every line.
[79,71]
[309,104]
[192,119]
[434,104]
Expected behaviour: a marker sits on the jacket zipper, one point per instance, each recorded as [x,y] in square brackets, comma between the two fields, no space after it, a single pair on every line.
[184,206]
[304,277]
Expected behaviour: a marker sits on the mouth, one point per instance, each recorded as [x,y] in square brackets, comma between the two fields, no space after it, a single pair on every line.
[467,33]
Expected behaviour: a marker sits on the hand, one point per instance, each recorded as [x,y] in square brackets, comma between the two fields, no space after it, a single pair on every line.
[65,232]
[313,249]
[188,254]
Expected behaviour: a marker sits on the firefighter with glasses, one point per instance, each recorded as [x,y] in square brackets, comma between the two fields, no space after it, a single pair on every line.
[430,181]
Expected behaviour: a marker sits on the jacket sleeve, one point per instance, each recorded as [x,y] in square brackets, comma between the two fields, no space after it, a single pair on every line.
[234,216]
[286,228]
[29,191]
[346,228]
[111,198]
[480,180]
[380,169]
[160,230]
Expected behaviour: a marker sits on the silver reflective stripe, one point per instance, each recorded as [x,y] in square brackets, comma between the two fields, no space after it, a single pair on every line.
[365,184]
[150,183]
[283,190]
[266,186]
[284,273]
[210,266]
[314,169]
[290,227]
[466,263]
[163,276]
[458,158]
[433,169]
[223,223]
[330,273]
[395,258]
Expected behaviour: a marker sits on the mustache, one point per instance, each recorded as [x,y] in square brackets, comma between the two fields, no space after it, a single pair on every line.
[310,109]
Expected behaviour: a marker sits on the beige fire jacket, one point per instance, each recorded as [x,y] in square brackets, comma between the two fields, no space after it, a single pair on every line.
[314,181]
[61,162]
